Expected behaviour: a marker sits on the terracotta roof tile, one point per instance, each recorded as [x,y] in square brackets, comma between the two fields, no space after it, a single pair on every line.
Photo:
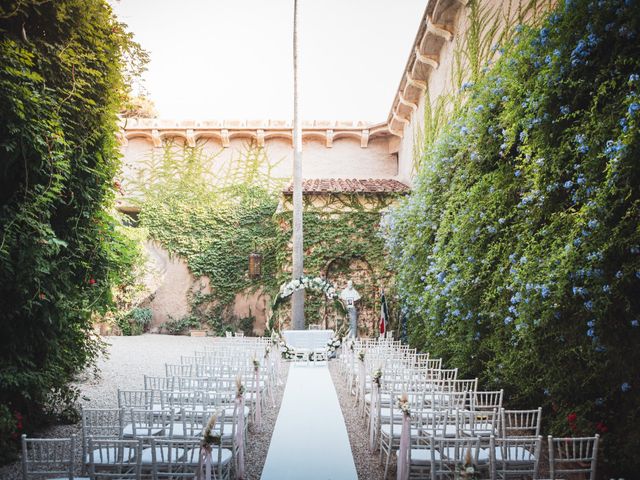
[350,185]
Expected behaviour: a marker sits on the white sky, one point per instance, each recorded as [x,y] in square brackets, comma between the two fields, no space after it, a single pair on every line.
[232,59]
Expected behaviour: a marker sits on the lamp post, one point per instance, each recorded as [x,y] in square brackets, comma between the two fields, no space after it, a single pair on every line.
[255,265]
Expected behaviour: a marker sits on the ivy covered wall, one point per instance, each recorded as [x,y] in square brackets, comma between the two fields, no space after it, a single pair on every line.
[518,254]
[214,218]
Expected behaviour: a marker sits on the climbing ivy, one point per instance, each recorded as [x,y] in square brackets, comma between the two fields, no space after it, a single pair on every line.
[489,26]
[518,253]
[215,225]
[62,79]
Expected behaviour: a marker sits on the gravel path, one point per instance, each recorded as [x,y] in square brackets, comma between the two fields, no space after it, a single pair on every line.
[367,464]
[129,358]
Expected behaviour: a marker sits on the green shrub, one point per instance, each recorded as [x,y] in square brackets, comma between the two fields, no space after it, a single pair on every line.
[518,253]
[61,83]
[178,326]
[139,318]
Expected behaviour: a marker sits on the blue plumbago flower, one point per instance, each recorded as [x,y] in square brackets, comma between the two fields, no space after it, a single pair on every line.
[595,256]
[466,85]
[512,258]
[638,274]
[579,291]
[523,259]
[456,313]
[508,320]
[479,108]
[579,53]
[606,288]
[546,392]
[577,242]
[568,184]
[588,305]
[581,180]
[544,291]
[564,110]
[600,348]
[491,229]
[464,130]
[599,402]
[516,298]
[590,333]
[635,249]
[593,224]
[591,323]
[635,323]
[625,387]
[623,124]
[633,108]
[619,274]
[441,276]
[634,77]
[517,173]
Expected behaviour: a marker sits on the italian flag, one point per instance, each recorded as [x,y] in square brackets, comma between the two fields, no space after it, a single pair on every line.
[384,313]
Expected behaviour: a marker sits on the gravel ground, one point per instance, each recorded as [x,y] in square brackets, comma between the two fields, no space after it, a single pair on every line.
[367,464]
[129,358]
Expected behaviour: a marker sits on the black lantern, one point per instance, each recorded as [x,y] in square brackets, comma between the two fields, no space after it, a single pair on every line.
[255,265]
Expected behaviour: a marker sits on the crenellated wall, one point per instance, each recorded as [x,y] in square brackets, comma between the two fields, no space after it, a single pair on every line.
[331,149]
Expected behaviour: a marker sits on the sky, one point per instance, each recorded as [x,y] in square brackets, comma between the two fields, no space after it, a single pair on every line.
[233,59]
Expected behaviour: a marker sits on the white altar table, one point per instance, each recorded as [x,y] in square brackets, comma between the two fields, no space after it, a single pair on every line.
[308,344]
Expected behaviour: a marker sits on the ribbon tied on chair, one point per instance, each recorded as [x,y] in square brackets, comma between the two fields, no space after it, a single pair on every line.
[374,410]
[205,461]
[258,400]
[405,438]
[239,440]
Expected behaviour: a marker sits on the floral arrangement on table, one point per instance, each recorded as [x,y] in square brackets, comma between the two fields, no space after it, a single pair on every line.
[288,352]
[334,344]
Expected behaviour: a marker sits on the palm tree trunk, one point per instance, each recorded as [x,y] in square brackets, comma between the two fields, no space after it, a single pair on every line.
[297,300]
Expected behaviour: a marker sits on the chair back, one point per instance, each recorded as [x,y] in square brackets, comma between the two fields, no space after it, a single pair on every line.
[573,455]
[111,459]
[48,457]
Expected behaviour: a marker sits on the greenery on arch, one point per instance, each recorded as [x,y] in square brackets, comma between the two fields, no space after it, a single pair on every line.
[306,283]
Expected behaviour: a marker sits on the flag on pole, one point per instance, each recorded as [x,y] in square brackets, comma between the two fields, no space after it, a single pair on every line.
[384,313]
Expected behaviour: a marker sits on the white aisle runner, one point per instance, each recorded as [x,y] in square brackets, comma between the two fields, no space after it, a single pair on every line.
[310,439]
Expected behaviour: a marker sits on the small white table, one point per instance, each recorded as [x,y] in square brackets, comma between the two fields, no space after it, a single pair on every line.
[307,342]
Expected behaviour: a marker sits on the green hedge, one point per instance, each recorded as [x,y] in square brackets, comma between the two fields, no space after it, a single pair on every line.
[518,253]
[60,87]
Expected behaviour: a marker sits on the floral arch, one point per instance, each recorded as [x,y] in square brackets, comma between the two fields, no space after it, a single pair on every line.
[314,284]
